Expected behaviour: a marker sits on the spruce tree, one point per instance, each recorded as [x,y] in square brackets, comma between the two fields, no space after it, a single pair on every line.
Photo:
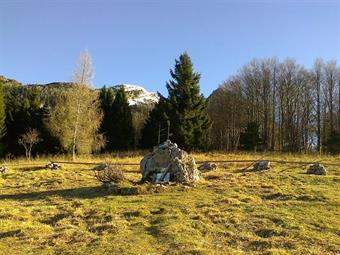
[250,138]
[106,98]
[157,119]
[122,127]
[187,106]
[332,144]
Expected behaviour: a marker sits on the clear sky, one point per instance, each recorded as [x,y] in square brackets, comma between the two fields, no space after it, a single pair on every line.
[137,41]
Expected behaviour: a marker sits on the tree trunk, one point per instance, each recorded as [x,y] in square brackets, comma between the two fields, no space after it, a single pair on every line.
[29,153]
[339,105]
[75,133]
[318,112]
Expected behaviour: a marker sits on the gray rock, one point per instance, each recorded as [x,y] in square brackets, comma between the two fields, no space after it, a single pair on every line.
[171,163]
[101,167]
[261,165]
[317,169]
[207,166]
[3,169]
[53,166]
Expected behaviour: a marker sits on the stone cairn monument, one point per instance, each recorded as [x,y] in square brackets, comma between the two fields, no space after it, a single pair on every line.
[168,163]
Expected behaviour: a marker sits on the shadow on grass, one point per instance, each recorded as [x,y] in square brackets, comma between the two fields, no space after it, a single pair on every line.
[32,168]
[83,192]
[12,233]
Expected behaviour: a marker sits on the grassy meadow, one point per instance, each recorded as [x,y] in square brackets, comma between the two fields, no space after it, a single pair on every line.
[229,211]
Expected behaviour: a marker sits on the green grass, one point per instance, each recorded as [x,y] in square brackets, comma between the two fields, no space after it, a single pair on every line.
[227,212]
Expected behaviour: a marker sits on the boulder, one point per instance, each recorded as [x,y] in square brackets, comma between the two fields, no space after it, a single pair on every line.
[317,169]
[167,162]
[261,165]
[207,166]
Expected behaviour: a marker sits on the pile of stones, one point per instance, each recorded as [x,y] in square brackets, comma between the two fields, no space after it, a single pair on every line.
[53,166]
[168,163]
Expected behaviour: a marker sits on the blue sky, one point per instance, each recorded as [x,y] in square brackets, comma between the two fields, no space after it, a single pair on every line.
[137,41]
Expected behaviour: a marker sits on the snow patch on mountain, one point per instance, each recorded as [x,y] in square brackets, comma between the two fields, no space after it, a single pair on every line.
[138,95]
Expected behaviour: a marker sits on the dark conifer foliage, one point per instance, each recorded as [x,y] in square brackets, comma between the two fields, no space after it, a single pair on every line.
[187,106]
[157,120]
[121,126]
[106,98]
[332,144]
[26,110]
[250,138]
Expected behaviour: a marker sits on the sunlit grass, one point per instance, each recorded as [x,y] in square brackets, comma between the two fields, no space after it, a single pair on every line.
[280,211]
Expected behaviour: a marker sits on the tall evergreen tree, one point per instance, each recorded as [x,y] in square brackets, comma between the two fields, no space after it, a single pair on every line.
[157,119]
[250,138]
[121,125]
[332,144]
[187,106]
[2,119]
[106,98]
[13,122]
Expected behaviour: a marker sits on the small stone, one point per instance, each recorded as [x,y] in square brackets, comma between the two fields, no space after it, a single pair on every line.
[3,169]
[317,169]
[261,165]
[100,167]
[206,167]
[53,166]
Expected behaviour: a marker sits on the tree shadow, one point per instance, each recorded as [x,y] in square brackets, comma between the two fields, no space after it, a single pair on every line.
[33,168]
[83,192]
[249,170]
[12,233]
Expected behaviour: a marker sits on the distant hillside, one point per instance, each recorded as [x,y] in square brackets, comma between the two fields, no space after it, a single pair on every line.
[137,95]
[9,82]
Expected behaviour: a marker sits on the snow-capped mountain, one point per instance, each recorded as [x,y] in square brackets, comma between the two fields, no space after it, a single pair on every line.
[138,95]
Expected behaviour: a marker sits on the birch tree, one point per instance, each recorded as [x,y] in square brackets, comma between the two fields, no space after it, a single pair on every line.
[317,80]
[76,117]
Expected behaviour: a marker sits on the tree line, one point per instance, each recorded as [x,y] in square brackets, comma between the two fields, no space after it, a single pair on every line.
[267,106]
[75,118]
[278,106]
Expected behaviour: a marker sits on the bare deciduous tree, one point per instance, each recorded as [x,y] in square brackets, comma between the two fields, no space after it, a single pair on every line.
[295,109]
[317,80]
[28,140]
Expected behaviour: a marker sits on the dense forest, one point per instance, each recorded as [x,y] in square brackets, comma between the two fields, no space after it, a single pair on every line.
[267,106]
